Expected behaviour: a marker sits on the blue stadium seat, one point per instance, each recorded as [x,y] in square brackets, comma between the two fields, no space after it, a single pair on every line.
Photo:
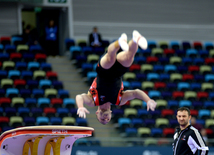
[30,102]
[204,113]
[209,105]
[156,132]
[174,45]
[158,68]
[198,61]
[142,113]
[187,61]
[137,122]
[69,42]
[152,77]
[35,49]
[37,93]
[192,53]
[32,66]
[1,48]
[26,75]
[14,74]
[32,84]
[91,76]
[149,122]
[173,104]
[29,121]
[12,92]
[140,77]
[164,77]
[126,85]
[195,86]
[3,74]
[164,60]
[180,52]
[63,93]
[4,57]
[25,93]
[208,45]
[42,120]
[145,53]
[55,121]
[44,83]
[10,48]
[209,78]
[21,66]
[43,102]
[183,86]
[63,112]
[57,85]
[139,60]
[28,57]
[171,86]
[134,84]
[36,112]
[81,122]
[152,44]
[166,95]
[131,132]
[154,94]
[199,77]
[182,69]
[74,51]
[46,66]
[170,69]
[203,53]
[10,111]
[69,103]
[124,123]
[23,112]
[185,103]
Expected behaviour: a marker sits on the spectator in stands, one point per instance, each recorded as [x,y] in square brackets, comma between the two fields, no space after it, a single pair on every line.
[195,124]
[30,36]
[187,139]
[107,87]
[95,39]
[51,42]
[204,135]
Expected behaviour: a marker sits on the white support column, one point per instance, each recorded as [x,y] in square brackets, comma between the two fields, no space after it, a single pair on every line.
[70,19]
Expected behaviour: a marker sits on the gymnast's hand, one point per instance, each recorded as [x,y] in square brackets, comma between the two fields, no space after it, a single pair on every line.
[82,112]
[151,104]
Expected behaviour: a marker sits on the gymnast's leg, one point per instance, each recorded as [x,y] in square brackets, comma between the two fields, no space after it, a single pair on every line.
[109,58]
[126,58]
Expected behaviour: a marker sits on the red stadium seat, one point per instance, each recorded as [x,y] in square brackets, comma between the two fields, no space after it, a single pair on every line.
[197,45]
[15,57]
[202,96]
[5,40]
[5,102]
[4,121]
[160,85]
[167,113]
[193,69]
[194,113]
[49,111]
[178,95]
[135,68]
[168,132]
[209,61]
[39,57]
[52,75]
[19,83]
[56,102]
[169,52]
[152,60]
[188,77]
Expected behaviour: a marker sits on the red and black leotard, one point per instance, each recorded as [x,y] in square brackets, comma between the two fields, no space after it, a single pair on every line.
[108,85]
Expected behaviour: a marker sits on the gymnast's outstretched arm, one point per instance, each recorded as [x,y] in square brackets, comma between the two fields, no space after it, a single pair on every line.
[82,99]
[138,94]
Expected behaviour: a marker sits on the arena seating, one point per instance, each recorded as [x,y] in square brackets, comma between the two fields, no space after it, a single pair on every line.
[173,73]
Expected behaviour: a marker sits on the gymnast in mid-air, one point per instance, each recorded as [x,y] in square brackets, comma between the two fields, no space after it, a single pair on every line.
[107,87]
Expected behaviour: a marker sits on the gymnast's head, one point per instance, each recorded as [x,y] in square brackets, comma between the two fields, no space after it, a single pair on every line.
[103,116]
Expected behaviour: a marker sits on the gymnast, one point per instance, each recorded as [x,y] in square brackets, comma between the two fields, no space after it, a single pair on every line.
[107,87]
